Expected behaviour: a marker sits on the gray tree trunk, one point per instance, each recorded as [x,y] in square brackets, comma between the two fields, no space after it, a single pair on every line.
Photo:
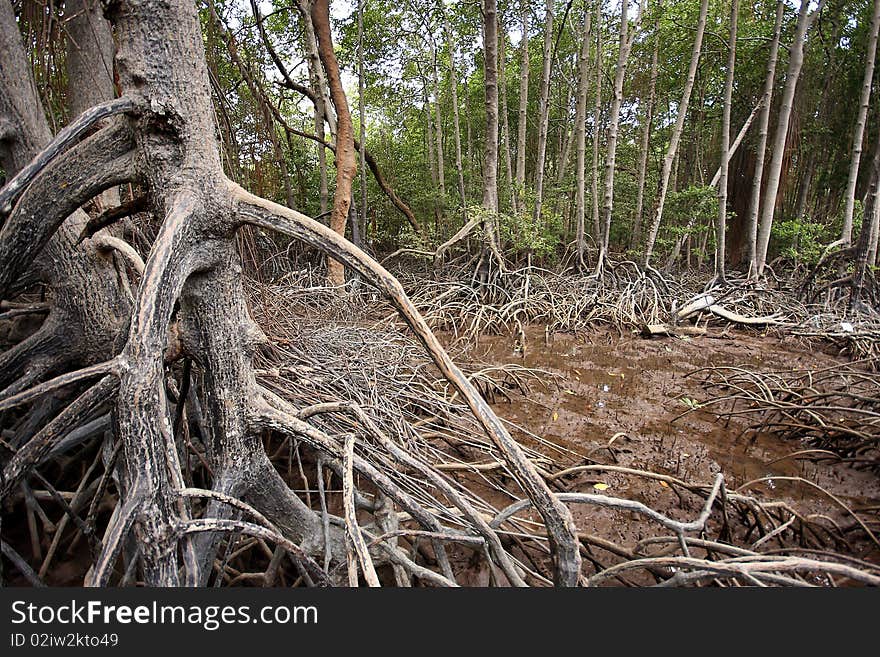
[613,129]
[544,109]
[164,140]
[522,115]
[580,126]
[761,148]
[89,57]
[441,163]
[597,115]
[456,120]
[505,123]
[721,222]
[636,237]
[859,132]
[674,140]
[490,165]
[795,61]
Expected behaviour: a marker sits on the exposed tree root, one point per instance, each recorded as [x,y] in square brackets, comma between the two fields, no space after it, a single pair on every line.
[834,411]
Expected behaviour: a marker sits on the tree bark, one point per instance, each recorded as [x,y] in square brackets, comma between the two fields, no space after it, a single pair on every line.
[597,115]
[505,123]
[859,132]
[721,222]
[544,109]
[672,150]
[441,162]
[456,122]
[346,163]
[867,243]
[613,129]
[362,109]
[580,125]
[522,115]
[490,165]
[636,237]
[761,149]
[89,57]
[795,61]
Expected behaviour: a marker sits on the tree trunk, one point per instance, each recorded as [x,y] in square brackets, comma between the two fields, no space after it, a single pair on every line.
[163,139]
[597,115]
[429,154]
[362,109]
[721,222]
[490,166]
[580,126]
[859,132]
[346,164]
[89,57]
[544,109]
[636,237]
[505,124]
[456,121]
[672,151]
[761,149]
[522,116]
[441,163]
[795,61]
[613,128]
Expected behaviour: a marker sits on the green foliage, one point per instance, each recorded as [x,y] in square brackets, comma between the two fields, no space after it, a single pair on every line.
[406,61]
[801,240]
[520,234]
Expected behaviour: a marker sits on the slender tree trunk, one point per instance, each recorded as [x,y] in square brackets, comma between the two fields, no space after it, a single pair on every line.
[322,113]
[636,237]
[858,134]
[613,129]
[544,109]
[567,139]
[346,163]
[580,125]
[761,148]
[362,110]
[429,154]
[441,164]
[597,115]
[456,121]
[505,123]
[490,166]
[721,222]
[676,250]
[522,116]
[674,140]
[804,191]
[866,248]
[795,61]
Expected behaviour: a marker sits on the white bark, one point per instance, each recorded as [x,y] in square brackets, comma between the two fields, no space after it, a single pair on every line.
[676,134]
[721,223]
[613,129]
[580,123]
[859,132]
[796,60]
[544,109]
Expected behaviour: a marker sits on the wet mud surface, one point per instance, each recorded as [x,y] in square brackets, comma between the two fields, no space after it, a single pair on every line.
[619,400]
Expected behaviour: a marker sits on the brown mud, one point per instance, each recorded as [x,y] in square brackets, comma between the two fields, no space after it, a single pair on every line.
[619,400]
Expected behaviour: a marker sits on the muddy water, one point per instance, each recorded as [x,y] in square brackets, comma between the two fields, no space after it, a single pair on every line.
[635,390]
